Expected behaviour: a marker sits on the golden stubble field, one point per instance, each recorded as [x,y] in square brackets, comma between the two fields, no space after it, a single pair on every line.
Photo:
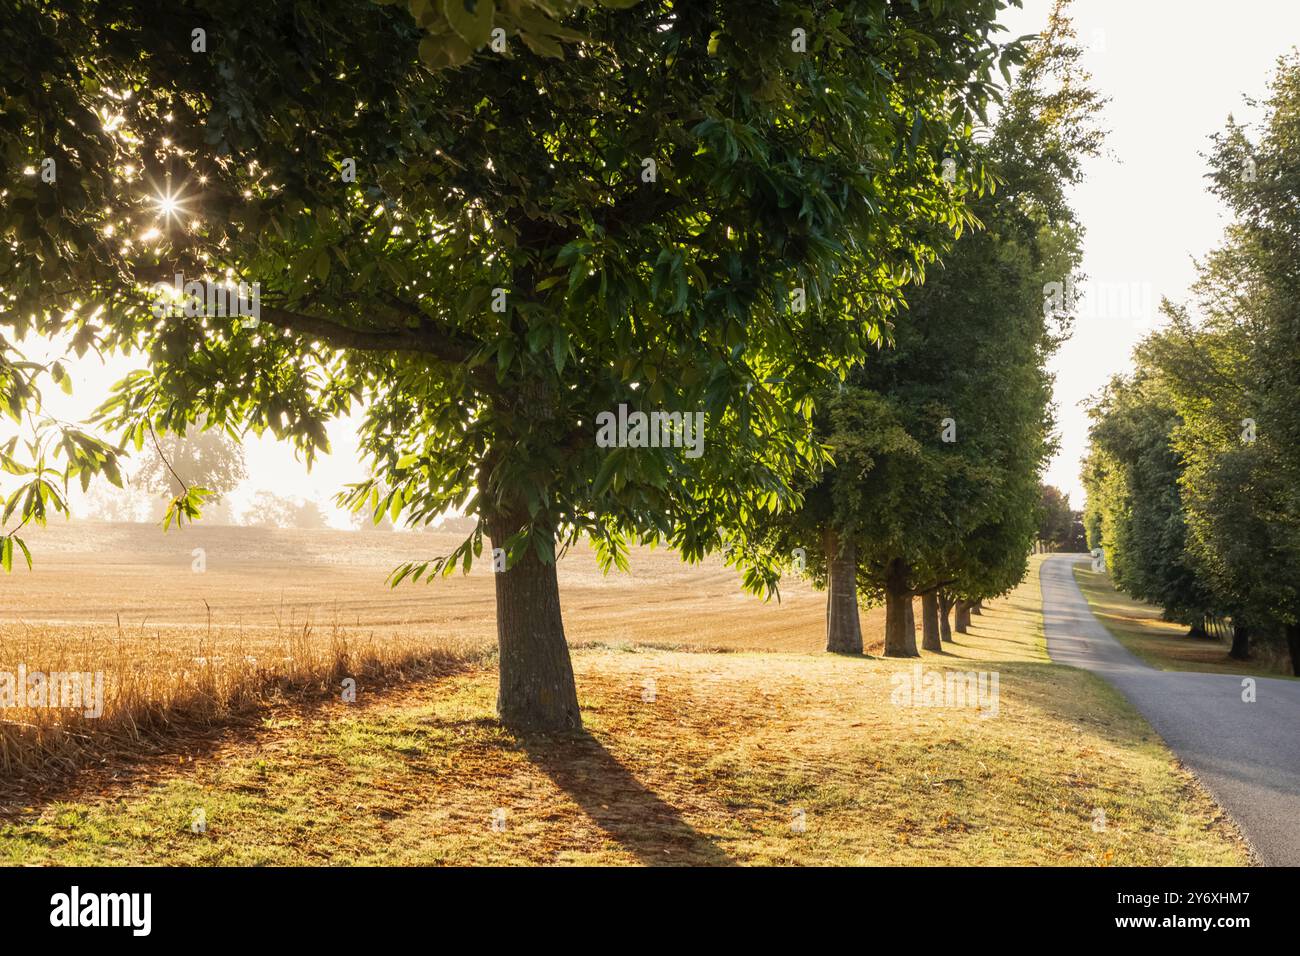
[137,582]
[276,613]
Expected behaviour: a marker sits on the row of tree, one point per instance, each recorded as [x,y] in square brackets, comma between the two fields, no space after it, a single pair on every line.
[482,242]
[1193,475]
[938,441]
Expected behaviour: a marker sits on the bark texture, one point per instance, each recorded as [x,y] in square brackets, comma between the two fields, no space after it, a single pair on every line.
[961,616]
[843,625]
[535,691]
[945,606]
[930,640]
[900,639]
[1240,642]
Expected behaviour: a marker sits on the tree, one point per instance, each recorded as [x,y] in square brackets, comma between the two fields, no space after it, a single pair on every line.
[1227,438]
[938,440]
[1249,292]
[1133,476]
[269,510]
[45,454]
[1056,520]
[206,458]
[975,384]
[706,213]
[310,516]
[455,31]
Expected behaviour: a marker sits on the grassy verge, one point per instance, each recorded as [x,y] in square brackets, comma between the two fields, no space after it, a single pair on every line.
[1164,644]
[691,758]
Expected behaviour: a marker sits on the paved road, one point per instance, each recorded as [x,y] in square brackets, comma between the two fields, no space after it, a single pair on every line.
[1248,755]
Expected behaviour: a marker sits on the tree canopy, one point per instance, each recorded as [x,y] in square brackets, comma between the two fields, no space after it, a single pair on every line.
[702,208]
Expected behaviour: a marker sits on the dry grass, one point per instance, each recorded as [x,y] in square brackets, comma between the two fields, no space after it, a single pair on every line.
[713,767]
[1166,645]
[223,695]
[258,582]
[155,692]
[278,614]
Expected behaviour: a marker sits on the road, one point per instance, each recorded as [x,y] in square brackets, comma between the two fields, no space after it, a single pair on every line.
[1246,754]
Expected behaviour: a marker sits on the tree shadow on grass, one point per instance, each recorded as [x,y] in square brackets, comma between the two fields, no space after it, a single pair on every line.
[631,813]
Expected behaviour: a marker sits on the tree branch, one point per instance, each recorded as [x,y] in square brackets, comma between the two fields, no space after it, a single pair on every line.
[424,341]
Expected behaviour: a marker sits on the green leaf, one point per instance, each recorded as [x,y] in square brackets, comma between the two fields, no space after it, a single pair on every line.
[560,349]
[474,26]
[542,45]
[606,474]
[444,51]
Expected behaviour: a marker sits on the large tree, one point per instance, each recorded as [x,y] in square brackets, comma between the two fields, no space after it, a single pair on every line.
[703,208]
[209,459]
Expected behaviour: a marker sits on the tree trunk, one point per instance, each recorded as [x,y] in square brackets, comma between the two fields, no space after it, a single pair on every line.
[961,616]
[930,640]
[945,605]
[900,641]
[1240,642]
[535,691]
[1293,645]
[843,626]
[976,607]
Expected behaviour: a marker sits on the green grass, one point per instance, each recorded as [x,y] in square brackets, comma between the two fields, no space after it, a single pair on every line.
[1166,645]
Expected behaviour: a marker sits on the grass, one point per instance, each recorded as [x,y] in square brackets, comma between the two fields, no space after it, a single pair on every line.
[689,758]
[288,614]
[154,692]
[1165,645]
[275,615]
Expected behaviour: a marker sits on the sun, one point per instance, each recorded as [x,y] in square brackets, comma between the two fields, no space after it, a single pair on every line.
[169,205]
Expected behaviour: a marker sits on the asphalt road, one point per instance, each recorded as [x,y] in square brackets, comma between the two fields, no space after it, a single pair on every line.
[1246,754]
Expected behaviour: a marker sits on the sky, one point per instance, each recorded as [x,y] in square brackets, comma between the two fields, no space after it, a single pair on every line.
[1173,70]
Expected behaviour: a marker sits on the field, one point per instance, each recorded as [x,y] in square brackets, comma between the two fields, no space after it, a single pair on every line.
[717,731]
[276,613]
[258,585]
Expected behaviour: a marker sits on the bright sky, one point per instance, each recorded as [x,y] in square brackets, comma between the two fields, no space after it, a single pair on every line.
[1174,70]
